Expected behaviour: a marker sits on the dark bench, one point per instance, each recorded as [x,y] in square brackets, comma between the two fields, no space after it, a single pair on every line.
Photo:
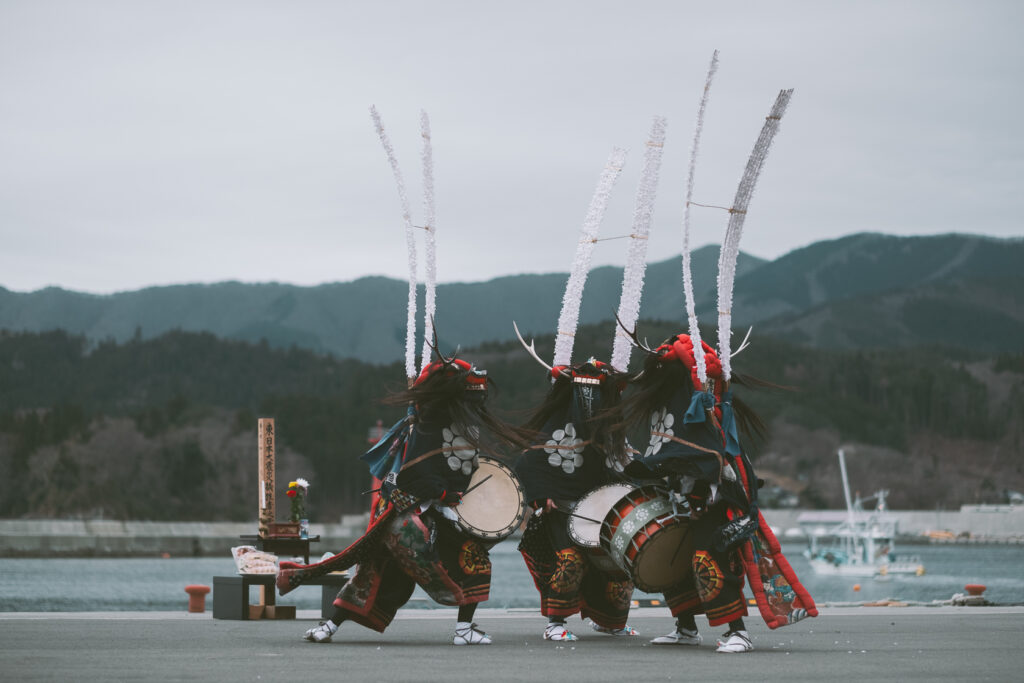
[231,596]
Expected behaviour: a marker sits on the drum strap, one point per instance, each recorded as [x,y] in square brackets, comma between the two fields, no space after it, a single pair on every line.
[561,447]
[702,449]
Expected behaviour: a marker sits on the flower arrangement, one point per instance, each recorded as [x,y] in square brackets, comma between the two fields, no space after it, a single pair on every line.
[297,491]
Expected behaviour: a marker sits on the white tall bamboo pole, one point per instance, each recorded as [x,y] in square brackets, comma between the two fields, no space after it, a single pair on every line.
[430,295]
[737,214]
[568,320]
[691,309]
[410,244]
[636,265]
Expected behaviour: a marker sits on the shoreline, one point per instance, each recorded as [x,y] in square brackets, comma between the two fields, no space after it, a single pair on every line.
[45,538]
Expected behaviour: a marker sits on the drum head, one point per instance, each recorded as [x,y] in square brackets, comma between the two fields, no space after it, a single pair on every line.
[495,508]
[665,558]
[594,506]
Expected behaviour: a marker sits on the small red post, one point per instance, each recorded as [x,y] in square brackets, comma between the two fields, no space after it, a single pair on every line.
[197,597]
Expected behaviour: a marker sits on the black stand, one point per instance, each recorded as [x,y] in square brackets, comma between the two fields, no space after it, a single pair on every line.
[231,596]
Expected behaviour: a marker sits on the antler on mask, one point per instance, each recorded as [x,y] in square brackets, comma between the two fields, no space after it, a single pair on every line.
[436,348]
[532,350]
[644,346]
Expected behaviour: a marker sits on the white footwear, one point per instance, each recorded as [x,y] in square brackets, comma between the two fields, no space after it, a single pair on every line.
[626,630]
[681,636]
[558,632]
[469,634]
[735,641]
[320,634]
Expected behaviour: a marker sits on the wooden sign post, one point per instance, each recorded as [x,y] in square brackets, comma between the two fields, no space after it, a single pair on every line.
[265,434]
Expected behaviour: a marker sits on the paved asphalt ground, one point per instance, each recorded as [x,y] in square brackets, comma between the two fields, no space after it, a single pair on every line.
[846,644]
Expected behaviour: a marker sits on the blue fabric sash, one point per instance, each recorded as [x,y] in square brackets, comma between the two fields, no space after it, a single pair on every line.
[732,437]
[700,403]
[387,454]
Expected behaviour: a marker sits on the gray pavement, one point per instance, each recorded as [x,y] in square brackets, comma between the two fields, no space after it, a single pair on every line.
[849,644]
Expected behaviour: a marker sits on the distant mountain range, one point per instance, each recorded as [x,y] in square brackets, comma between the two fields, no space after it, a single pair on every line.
[871,291]
[862,291]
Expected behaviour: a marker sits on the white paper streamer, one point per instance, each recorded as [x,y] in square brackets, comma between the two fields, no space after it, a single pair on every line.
[636,265]
[737,214]
[430,300]
[691,312]
[569,318]
[410,243]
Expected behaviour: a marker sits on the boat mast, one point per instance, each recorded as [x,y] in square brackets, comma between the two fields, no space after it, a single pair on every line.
[852,541]
[846,486]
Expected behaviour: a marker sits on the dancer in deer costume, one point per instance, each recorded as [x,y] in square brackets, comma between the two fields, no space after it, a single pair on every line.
[580,449]
[425,463]
[685,395]
[422,465]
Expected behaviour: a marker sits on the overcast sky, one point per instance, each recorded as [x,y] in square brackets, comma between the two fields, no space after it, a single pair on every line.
[151,143]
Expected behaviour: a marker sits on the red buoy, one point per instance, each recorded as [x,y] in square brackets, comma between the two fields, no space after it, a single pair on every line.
[974,589]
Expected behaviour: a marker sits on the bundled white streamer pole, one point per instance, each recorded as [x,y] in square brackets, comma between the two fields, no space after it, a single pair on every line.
[691,311]
[731,244]
[430,300]
[410,243]
[636,256]
[568,320]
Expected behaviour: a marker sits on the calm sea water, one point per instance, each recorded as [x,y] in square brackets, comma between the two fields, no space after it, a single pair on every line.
[78,585]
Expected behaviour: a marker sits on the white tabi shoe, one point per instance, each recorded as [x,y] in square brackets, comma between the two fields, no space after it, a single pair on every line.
[735,641]
[626,630]
[558,632]
[469,634]
[319,634]
[681,636]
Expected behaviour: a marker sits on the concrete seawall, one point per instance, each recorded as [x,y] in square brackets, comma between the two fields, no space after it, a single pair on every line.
[109,538]
[994,523]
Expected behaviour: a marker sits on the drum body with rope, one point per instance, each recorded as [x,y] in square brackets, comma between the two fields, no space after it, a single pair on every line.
[494,504]
[586,520]
[644,535]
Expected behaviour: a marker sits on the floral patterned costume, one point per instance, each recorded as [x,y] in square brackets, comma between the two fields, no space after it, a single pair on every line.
[694,445]
[424,462]
[563,466]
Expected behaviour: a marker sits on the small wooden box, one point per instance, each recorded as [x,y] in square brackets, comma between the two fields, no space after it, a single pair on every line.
[279,612]
[284,530]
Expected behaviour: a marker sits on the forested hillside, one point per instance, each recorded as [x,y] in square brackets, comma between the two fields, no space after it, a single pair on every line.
[165,428]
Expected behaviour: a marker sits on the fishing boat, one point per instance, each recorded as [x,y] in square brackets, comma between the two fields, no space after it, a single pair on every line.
[859,543]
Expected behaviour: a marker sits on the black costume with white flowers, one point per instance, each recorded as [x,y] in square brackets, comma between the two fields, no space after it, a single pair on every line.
[574,457]
[694,446]
[424,464]
[686,450]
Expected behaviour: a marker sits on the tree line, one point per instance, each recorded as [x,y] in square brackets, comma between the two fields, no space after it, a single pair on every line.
[164,428]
